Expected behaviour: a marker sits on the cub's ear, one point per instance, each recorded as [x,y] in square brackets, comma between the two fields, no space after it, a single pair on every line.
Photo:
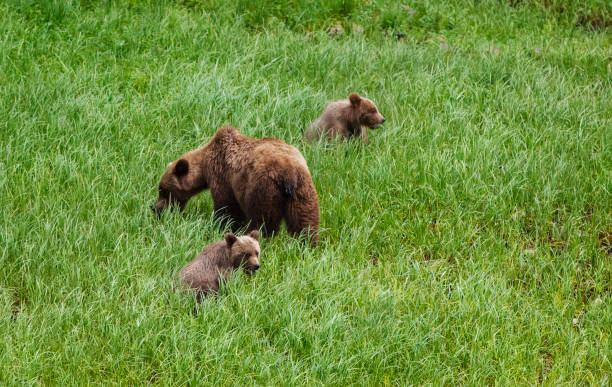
[181,168]
[254,234]
[355,99]
[230,239]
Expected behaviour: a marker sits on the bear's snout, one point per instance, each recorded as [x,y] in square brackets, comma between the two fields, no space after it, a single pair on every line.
[252,265]
[162,204]
[159,207]
[374,121]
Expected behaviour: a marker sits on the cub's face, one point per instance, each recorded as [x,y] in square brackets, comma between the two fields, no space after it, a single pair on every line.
[368,112]
[244,250]
[179,183]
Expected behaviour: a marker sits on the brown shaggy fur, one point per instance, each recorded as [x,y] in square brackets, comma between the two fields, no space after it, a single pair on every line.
[346,118]
[220,259]
[256,181]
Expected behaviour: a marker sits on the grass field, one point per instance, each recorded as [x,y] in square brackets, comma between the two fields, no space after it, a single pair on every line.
[469,243]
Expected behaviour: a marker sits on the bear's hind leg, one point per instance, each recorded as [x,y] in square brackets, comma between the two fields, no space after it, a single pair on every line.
[303,218]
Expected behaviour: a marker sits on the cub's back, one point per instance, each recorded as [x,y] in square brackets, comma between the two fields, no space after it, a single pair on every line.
[202,272]
[331,121]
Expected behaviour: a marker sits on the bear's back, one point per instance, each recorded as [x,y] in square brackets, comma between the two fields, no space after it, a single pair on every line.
[335,117]
[270,149]
[263,156]
[202,273]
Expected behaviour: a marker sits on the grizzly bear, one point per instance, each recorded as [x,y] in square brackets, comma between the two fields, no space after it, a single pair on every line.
[252,181]
[346,118]
[219,260]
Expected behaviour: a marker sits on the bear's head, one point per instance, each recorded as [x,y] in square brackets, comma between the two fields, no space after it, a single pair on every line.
[180,181]
[244,250]
[366,111]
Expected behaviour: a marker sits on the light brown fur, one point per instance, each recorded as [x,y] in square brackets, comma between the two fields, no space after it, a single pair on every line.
[256,181]
[346,118]
[219,260]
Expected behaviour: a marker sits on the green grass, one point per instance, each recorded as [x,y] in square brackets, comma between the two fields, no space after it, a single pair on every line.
[465,245]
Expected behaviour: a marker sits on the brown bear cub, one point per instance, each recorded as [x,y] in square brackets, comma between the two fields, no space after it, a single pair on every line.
[346,118]
[219,260]
[256,181]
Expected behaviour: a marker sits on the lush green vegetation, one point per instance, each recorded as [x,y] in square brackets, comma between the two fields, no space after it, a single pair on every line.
[468,243]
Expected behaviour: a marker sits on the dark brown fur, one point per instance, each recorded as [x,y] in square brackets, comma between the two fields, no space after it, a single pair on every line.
[261,181]
[346,118]
[219,260]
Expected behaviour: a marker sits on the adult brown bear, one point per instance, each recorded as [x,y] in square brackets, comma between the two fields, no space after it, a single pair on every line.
[256,181]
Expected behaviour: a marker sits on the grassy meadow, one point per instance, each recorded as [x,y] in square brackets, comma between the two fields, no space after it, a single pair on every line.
[468,243]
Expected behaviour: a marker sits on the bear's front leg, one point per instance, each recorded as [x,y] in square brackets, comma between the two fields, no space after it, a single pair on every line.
[230,212]
[226,208]
[364,135]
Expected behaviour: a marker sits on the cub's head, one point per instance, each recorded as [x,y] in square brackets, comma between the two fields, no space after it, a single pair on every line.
[179,183]
[367,111]
[244,250]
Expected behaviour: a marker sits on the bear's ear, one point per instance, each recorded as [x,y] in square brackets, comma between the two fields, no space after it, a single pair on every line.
[254,234]
[355,99]
[181,168]
[230,239]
